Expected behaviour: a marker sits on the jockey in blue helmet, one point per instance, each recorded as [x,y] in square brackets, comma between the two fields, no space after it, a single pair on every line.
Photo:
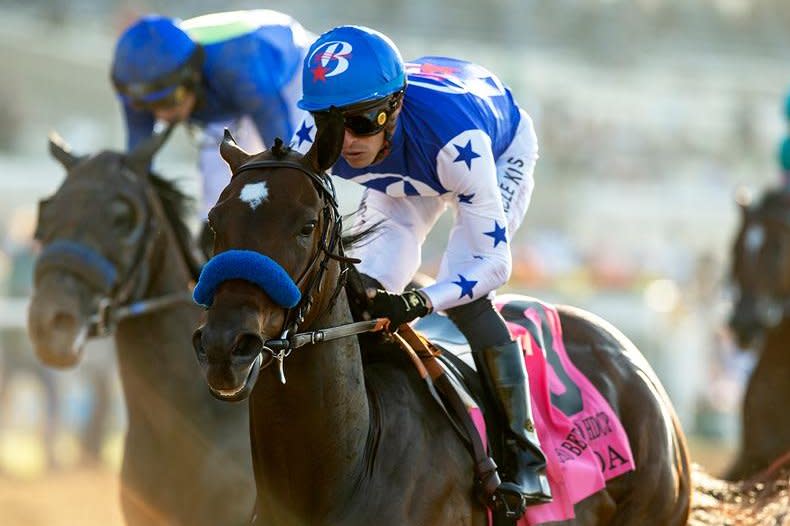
[433,134]
[239,70]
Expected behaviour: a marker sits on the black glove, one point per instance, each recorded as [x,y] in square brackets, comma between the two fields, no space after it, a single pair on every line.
[357,285]
[399,308]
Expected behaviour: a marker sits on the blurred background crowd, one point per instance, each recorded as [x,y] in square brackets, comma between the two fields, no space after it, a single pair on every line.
[649,114]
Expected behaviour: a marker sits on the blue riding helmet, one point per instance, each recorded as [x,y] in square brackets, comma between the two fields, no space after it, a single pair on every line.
[784,154]
[348,65]
[153,57]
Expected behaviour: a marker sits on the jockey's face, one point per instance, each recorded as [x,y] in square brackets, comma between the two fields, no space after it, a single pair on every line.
[178,112]
[360,152]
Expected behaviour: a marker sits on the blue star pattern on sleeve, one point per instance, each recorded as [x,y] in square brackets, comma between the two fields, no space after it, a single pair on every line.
[466,154]
[465,199]
[499,234]
[466,286]
[304,133]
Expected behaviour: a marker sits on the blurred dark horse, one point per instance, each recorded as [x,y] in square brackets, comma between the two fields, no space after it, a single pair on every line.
[341,445]
[761,319]
[116,258]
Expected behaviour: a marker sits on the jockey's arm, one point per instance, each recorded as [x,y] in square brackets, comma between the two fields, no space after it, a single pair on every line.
[392,255]
[477,260]
[139,125]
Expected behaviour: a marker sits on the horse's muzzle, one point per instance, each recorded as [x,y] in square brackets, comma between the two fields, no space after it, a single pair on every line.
[57,333]
[232,378]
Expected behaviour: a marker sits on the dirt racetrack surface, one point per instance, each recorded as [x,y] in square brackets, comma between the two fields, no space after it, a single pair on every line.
[68,498]
[90,498]
[764,502]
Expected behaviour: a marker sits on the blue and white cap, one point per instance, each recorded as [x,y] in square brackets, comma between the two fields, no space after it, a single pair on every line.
[348,65]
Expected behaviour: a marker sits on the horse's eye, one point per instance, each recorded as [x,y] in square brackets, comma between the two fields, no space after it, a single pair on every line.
[308,228]
[123,217]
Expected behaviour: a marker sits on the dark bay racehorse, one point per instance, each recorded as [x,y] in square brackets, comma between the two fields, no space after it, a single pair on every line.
[339,444]
[761,318]
[111,259]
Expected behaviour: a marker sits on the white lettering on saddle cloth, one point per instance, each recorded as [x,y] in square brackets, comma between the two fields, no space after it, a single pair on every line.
[254,194]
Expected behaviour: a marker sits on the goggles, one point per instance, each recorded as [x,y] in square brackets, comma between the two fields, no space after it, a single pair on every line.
[145,95]
[366,123]
[369,118]
[172,99]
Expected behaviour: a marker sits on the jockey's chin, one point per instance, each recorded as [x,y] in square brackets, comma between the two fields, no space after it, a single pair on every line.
[361,152]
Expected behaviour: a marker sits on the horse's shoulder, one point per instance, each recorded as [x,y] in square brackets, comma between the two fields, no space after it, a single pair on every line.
[398,395]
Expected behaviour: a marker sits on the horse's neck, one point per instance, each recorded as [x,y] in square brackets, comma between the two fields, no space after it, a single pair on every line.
[168,271]
[309,435]
[154,348]
[776,348]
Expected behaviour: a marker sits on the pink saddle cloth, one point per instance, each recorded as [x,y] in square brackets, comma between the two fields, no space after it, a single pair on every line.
[584,442]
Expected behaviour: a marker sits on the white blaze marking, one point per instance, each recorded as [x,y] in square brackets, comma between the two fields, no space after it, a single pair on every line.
[254,194]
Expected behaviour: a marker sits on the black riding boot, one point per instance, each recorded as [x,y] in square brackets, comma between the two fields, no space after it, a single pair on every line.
[503,371]
[500,364]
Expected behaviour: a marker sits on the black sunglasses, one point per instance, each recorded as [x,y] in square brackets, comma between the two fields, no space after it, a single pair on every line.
[363,123]
[369,118]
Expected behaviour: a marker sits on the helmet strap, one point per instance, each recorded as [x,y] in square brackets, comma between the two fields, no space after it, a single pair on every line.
[389,129]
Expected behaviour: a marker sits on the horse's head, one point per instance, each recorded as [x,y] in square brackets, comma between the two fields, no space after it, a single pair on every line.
[276,228]
[96,233]
[761,265]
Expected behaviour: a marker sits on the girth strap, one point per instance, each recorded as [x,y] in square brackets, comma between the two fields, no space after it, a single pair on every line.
[486,477]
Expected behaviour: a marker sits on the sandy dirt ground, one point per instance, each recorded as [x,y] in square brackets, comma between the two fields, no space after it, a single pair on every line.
[89,497]
[68,498]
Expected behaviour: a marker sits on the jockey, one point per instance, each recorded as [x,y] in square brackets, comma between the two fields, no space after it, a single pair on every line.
[239,70]
[422,137]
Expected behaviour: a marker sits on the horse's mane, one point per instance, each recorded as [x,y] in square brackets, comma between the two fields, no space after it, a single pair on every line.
[358,237]
[176,205]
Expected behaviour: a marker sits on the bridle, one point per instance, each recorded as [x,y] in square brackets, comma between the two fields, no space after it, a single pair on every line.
[311,278]
[773,307]
[119,296]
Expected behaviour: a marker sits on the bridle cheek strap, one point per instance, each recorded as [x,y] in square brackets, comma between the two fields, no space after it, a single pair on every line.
[250,266]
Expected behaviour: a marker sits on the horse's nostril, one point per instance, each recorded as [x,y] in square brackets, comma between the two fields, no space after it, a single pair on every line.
[247,345]
[197,344]
[63,321]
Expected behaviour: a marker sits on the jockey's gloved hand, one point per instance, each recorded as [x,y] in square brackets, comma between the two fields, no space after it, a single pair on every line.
[399,308]
[357,285]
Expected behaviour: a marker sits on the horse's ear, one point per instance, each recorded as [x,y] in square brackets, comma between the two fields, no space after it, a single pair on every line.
[743,197]
[140,157]
[61,151]
[328,140]
[233,154]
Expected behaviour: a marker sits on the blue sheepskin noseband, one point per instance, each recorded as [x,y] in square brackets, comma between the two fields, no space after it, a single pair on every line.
[250,266]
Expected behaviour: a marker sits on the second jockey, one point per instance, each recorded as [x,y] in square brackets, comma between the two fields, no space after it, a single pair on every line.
[421,137]
[239,70]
